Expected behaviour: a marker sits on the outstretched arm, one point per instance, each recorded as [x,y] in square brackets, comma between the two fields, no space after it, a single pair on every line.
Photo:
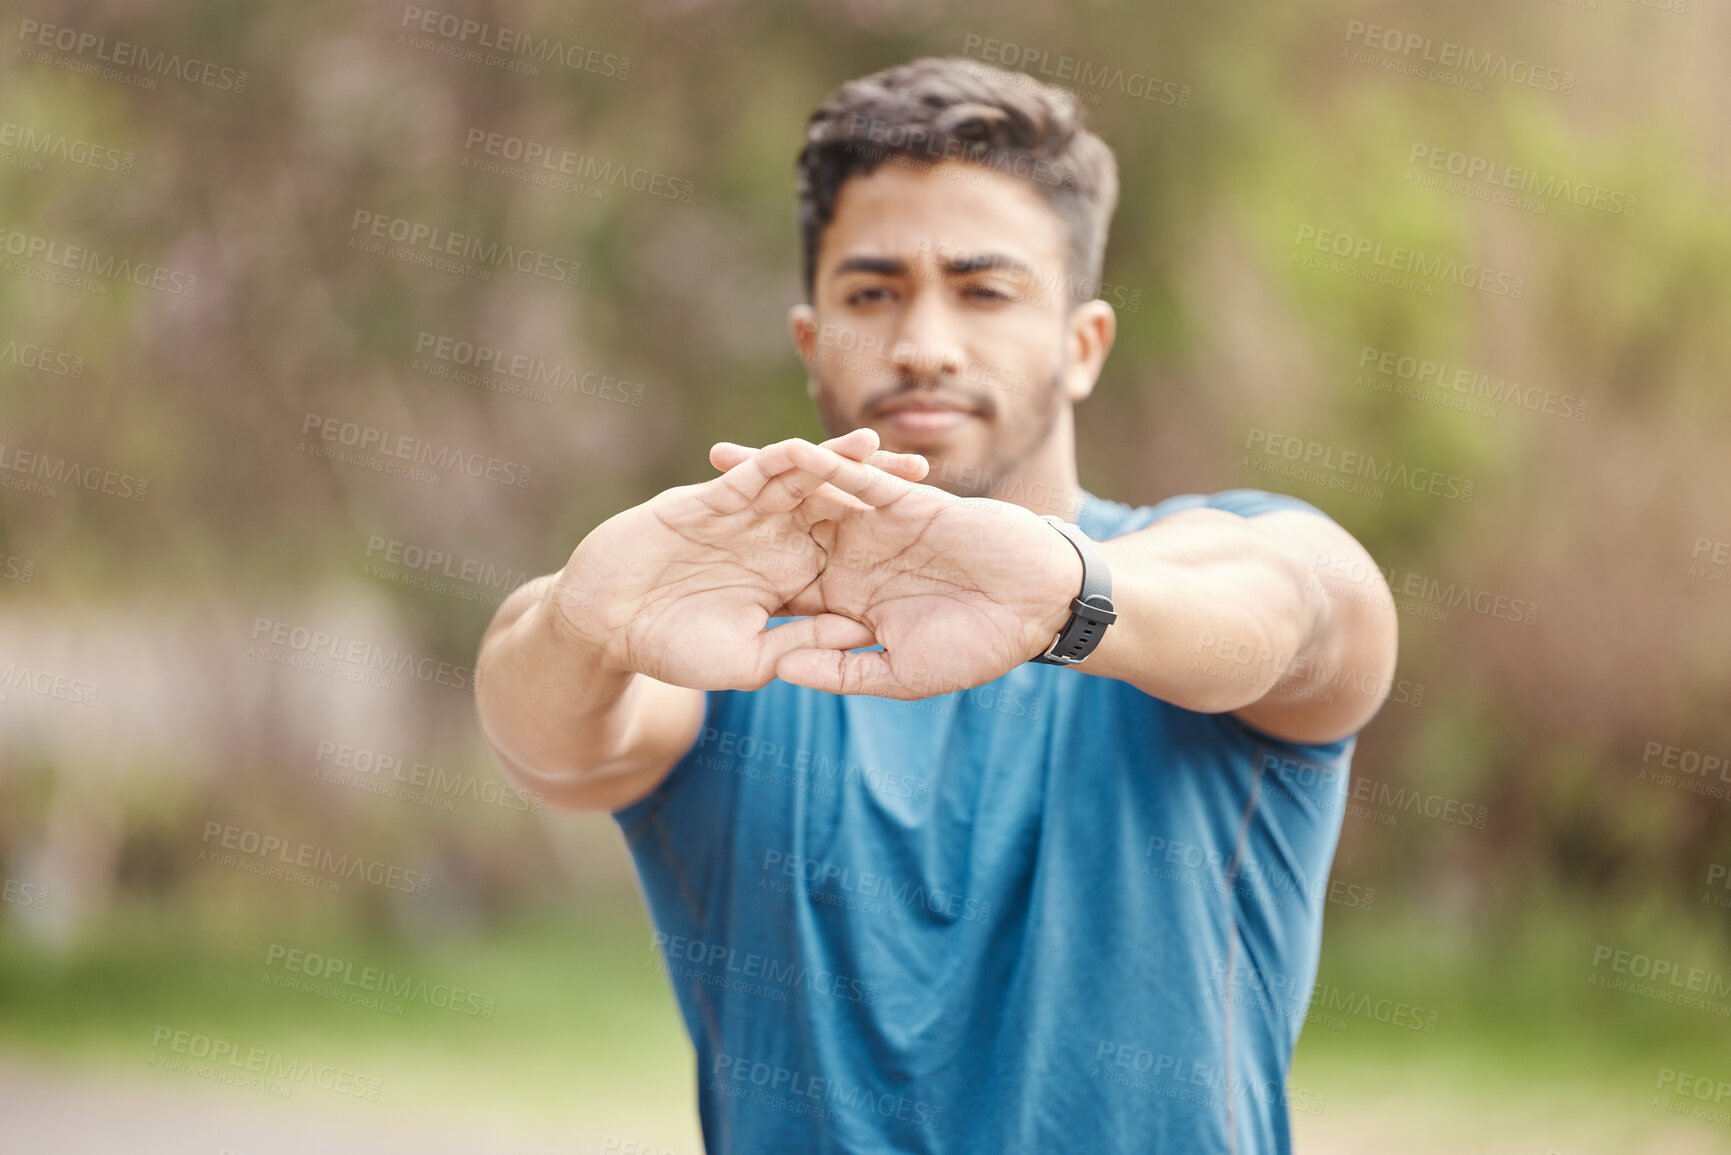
[1218,613]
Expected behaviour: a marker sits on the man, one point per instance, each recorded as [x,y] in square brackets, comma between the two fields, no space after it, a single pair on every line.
[916,891]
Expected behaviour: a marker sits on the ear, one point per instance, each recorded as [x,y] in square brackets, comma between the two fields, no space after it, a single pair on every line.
[1088,337]
[802,328]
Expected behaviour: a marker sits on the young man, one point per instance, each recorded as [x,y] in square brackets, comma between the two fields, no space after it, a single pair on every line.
[919,887]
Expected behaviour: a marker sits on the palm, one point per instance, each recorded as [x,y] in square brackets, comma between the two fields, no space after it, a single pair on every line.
[681,587]
[694,589]
[955,590]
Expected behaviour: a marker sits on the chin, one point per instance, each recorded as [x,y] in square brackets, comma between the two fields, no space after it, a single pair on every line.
[962,476]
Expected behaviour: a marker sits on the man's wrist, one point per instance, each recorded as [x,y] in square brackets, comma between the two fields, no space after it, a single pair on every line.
[1091,607]
[564,614]
[1065,570]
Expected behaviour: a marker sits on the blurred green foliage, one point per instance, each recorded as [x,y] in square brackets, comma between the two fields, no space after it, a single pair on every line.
[1544,726]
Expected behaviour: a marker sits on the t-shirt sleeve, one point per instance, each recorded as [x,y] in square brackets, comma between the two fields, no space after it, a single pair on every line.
[1243,502]
[1251,502]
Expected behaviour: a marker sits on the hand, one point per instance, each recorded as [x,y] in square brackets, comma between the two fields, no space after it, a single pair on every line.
[690,577]
[958,590]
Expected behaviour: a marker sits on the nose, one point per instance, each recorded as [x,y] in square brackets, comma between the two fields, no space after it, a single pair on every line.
[928,340]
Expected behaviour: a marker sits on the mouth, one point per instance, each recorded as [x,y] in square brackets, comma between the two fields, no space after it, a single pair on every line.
[927,420]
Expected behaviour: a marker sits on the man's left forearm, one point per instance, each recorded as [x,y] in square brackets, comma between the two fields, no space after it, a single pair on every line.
[1211,615]
[1216,614]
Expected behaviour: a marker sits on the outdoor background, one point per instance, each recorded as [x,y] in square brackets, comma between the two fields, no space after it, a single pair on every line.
[1535,865]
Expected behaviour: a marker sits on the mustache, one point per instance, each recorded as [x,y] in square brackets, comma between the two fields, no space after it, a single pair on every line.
[939,386]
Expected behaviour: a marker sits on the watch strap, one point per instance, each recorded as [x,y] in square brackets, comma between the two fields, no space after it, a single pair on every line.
[1091,610]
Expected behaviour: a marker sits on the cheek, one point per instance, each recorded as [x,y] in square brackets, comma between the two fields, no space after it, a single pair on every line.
[1032,343]
[842,386]
[1026,377]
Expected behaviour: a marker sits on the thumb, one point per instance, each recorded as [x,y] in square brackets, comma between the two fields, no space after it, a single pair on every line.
[818,633]
[837,672]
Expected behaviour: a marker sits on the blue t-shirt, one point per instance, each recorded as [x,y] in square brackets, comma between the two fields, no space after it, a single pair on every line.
[1049,913]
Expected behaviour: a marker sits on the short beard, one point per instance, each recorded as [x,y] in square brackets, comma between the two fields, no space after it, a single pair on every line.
[993,476]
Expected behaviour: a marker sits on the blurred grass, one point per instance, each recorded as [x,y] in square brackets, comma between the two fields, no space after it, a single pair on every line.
[584,1034]
[587,1036]
[1528,1055]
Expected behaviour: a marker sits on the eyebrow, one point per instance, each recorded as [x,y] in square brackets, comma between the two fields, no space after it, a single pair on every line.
[955,267]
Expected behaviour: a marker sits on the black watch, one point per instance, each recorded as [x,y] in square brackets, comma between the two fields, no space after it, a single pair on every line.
[1091,610]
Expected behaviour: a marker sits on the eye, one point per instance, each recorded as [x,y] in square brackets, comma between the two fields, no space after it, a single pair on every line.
[870,295]
[979,292]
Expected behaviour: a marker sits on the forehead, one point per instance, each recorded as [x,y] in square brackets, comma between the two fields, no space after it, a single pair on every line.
[902,210]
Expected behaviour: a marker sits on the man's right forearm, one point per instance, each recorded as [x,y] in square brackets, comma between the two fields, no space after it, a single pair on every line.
[554,716]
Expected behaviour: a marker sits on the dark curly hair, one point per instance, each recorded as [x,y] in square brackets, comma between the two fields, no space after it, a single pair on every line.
[937,109]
